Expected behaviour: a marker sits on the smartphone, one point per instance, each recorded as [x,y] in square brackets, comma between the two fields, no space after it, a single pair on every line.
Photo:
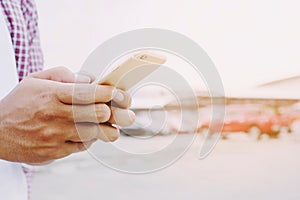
[133,70]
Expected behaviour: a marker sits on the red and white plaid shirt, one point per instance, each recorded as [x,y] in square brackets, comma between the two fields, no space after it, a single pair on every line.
[22,22]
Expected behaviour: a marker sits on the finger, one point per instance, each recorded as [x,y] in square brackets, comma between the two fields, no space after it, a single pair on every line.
[59,74]
[84,132]
[108,133]
[80,78]
[121,117]
[90,94]
[84,93]
[95,113]
[87,74]
[121,99]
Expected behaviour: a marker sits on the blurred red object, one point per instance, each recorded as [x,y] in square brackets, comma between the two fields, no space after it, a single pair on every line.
[249,118]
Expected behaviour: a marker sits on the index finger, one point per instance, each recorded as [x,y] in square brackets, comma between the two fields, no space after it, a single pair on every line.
[84,93]
[90,94]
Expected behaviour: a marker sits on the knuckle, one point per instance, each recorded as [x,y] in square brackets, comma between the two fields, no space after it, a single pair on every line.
[81,146]
[107,92]
[105,138]
[46,115]
[41,115]
[82,96]
[103,112]
[47,110]
[46,95]
[114,137]
[108,134]
[63,93]
[47,135]
[62,69]
[89,144]
[52,135]
[65,112]
[80,133]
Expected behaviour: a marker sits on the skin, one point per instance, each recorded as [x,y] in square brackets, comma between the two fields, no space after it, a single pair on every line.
[42,119]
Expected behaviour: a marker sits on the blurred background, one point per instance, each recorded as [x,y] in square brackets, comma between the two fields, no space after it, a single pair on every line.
[253,43]
[258,40]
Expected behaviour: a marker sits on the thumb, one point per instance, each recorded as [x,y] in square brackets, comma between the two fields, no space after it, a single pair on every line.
[61,74]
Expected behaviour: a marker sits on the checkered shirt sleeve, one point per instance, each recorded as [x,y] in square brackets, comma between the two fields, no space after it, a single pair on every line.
[22,21]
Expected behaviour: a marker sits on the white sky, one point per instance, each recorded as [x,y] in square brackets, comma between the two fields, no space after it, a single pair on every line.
[250,41]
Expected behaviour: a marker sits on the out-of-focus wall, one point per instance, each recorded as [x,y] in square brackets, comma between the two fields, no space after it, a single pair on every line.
[250,41]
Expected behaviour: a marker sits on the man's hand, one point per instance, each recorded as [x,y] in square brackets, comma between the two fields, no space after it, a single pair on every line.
[47,116]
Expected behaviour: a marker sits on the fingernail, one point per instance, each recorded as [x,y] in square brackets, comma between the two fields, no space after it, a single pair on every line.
[131,115]
[80,78]
[118,95]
